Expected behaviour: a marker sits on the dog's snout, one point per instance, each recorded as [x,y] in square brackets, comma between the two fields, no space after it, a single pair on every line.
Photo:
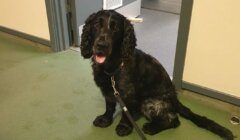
[102,41]
[101,44]
[103,37]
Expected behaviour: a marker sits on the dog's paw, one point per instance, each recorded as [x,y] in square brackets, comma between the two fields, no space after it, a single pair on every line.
[123,129]
[102,121]
[150,128]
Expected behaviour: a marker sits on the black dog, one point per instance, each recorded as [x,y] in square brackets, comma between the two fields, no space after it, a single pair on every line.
[108,38]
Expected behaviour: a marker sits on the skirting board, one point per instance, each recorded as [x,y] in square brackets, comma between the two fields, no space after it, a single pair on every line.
[211,93]
[25,36]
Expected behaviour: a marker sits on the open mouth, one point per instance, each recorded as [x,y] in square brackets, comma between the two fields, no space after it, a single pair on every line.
[99,58]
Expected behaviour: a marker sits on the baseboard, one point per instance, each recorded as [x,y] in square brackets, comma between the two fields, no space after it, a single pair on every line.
[211,93]
[25,36]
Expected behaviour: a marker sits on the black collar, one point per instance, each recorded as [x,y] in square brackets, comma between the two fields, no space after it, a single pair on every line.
[115,71]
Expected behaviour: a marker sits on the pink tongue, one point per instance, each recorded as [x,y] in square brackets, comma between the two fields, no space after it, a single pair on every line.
[100,59]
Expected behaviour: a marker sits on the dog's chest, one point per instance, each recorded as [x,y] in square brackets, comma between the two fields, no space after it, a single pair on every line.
[122,85]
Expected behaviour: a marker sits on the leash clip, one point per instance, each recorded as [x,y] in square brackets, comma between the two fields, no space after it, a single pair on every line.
[116,93]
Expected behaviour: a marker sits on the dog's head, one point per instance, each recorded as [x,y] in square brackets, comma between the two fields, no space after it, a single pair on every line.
[107,34]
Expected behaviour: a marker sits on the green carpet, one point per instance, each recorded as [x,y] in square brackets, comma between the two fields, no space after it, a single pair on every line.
[52,96]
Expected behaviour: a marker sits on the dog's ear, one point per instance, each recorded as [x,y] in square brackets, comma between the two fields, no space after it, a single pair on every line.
[129,40]
[86,37]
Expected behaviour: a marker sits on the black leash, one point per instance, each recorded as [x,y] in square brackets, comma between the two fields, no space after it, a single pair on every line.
[124,108]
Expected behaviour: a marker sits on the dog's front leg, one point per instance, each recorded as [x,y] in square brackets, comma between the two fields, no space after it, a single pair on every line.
[124,127]
[107,118]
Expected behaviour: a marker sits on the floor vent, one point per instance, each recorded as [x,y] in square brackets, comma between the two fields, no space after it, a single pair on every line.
[235,120]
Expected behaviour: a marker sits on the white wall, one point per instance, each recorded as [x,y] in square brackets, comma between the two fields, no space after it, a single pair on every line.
[27,16]
[213,50]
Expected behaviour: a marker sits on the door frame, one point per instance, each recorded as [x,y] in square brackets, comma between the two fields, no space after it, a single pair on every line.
[182,39]
[58,27]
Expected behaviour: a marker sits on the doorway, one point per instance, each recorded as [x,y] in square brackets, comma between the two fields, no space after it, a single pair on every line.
[157,34]
[163,24]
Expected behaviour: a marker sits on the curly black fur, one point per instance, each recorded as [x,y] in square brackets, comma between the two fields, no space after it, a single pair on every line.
[143,83]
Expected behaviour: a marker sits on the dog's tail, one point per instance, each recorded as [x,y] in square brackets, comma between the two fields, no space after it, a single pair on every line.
[204,122]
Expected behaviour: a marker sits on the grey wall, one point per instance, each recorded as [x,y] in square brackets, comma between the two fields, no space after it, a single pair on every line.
[171,6]
[81,9]
[125,2]
[86,7]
